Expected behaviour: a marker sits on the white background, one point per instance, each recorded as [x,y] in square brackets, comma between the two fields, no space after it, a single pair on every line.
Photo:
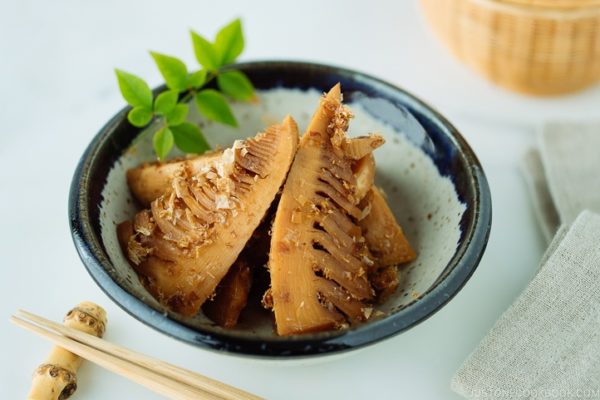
[57,88]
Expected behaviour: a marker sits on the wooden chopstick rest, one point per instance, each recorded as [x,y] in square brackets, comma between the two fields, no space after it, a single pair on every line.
[56,378]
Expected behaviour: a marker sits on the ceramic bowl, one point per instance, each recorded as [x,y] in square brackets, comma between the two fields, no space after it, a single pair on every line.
[434,183]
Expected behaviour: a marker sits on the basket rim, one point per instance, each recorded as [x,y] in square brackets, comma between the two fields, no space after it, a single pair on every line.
[554,4]
[584,11]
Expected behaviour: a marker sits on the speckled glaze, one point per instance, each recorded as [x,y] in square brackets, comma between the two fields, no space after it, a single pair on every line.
[420,126]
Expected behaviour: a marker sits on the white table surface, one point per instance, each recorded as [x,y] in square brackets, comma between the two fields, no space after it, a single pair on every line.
[57,88]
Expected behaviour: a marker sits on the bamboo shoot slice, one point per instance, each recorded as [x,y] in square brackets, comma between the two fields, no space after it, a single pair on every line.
[383,234]
[231,295]
[318,262]
[364,172]
[151,180]
[185,244]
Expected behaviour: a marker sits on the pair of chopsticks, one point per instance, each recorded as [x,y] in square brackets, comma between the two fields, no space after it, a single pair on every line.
[159,376]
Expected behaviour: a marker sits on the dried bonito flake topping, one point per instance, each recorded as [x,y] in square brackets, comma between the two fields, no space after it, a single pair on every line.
[151,180]
[319,263]
[183,246]
[330,241]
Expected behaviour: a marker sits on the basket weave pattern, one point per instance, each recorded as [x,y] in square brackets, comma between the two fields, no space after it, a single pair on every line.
[526,46]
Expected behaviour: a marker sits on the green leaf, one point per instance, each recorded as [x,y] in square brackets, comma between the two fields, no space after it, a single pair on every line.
[236,85]
[177,115]
[197,79]
[139,116]
[189,138]
[214,107]
[165,102]
[163,142]
[205,52]
[229,42]
[134,89]
[173,70]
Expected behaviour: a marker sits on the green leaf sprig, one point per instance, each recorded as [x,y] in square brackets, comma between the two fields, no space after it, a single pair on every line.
[170,108]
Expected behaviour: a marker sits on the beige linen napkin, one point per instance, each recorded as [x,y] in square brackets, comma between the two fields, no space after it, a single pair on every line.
[564,174]
[547,344]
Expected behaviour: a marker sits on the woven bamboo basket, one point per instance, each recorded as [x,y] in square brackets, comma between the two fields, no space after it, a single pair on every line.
[540,47]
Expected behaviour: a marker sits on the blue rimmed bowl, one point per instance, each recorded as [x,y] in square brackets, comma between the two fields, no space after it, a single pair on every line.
[434,182]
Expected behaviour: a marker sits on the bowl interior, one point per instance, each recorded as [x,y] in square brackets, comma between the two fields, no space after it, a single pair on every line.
[428,173]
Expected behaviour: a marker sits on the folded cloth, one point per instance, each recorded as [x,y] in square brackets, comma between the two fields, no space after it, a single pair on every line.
[547,344]
[564,174]
[543,206]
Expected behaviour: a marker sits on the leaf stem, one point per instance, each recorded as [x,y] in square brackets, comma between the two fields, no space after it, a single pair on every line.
[166,113]
[193,91]
[161,122]
[158,119]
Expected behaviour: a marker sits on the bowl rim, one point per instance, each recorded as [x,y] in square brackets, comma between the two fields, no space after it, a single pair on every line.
[465,259]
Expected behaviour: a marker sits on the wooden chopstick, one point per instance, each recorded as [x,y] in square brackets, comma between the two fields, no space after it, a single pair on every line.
[183,375]
[157,375]
[136,373]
